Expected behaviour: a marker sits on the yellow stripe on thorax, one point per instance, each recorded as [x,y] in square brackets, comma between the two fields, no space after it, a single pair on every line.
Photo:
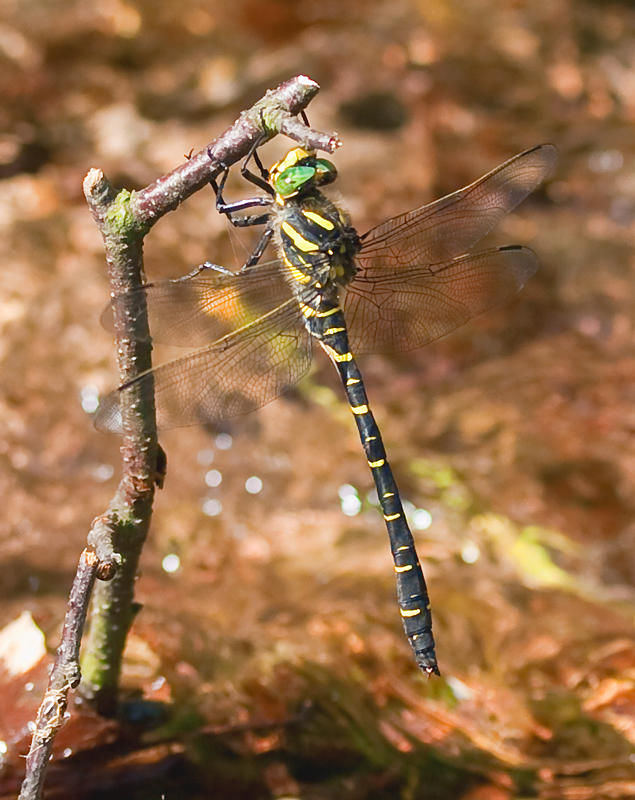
[298,240]
[319,220]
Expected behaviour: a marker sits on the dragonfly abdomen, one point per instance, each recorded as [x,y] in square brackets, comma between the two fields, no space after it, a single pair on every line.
[329,327]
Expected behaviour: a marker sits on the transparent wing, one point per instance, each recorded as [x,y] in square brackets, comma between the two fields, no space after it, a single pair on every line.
[401,309]
[195,311]
[412,287]
[239,372]
[452,225]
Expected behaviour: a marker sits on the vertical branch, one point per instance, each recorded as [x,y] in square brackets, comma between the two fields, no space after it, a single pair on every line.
[130,510]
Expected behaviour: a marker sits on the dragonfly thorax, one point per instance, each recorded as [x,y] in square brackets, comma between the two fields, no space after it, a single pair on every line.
[315,241]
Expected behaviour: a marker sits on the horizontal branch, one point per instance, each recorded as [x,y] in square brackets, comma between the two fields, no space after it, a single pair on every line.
[277,112]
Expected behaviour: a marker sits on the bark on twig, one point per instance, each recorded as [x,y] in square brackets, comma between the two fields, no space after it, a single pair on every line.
[117,537]
[64,676]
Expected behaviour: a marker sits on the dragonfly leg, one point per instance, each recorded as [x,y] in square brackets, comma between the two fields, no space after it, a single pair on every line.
[262,180]
[259,249]
[253,259]
[201,268]
[250,220]
[239,205]
[229,209]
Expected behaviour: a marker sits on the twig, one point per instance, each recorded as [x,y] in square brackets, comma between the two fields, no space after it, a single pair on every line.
[64,676]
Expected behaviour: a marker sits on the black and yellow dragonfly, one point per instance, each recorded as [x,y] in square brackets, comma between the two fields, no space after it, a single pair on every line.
[398,287]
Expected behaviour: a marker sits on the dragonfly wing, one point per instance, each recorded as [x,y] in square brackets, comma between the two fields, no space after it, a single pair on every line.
[449,227]
[401,309]
[234,375]
[192,312]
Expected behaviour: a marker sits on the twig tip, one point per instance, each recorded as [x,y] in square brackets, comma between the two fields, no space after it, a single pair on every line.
[97,188]
[92,179]
[304,80]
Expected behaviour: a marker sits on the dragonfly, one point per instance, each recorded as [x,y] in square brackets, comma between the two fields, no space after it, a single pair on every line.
[401,285]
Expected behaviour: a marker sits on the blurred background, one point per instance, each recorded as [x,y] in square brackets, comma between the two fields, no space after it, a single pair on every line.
[269,626]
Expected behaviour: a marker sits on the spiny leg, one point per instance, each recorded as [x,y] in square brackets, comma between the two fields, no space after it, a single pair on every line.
[262,180]
[229,209]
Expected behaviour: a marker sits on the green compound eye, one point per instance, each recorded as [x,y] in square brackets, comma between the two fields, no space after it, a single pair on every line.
[326,171]
[293,179]
[318,172]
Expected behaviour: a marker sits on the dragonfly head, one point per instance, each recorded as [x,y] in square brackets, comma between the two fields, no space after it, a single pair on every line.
[300,170]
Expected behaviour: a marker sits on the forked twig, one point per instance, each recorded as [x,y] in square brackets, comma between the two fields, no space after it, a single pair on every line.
[118,536]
